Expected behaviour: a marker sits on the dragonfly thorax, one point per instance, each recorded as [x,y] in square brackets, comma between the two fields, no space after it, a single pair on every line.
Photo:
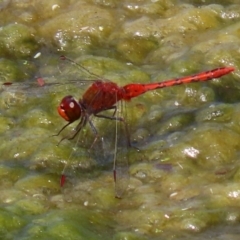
[69,109]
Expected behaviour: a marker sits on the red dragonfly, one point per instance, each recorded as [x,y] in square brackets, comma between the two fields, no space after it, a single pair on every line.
[103,95]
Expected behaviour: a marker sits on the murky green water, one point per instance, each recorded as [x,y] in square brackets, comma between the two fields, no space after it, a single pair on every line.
[184,181]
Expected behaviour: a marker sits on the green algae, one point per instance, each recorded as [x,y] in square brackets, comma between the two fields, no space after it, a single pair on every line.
[10,71]
[68,224]
[17,40]
[183,180]
[10,222]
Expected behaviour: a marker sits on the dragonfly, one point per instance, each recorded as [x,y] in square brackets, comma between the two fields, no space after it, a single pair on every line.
[103,95]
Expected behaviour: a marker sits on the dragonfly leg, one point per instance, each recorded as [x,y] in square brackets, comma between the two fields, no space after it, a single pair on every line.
[94,131]
[117,119]
[110,108]
[115,110]
[61,129]
[79,127]
[110,117]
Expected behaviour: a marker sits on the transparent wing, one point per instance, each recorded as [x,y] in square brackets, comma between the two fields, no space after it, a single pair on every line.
[13,94]
[121,154]
[41,86]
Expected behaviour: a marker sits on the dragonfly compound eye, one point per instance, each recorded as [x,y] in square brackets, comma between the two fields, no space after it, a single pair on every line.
[69,109]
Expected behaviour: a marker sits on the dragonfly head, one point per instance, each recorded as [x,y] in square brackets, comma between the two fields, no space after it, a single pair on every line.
[69,109]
